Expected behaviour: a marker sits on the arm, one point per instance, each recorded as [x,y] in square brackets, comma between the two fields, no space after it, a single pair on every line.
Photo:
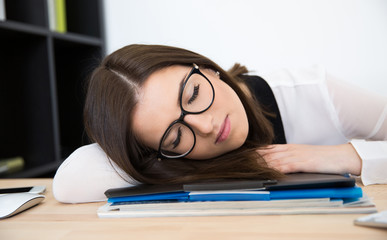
[362,115]
[288,158]
[85,175]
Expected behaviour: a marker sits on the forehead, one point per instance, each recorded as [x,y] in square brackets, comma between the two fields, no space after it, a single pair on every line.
[158,104]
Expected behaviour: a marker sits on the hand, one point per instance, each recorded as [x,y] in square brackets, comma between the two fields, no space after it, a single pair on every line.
[288,158]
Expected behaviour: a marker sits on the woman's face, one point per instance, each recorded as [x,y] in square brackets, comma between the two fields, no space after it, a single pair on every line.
[220,129]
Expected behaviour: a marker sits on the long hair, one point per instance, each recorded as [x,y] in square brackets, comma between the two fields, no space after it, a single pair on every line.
[112,95]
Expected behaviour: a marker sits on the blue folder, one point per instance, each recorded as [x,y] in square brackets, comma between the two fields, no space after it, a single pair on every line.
[352,192]
[152,197]
[333,193]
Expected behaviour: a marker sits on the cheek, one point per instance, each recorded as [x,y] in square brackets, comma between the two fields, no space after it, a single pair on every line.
[231,104]
[224,93]
[146,130]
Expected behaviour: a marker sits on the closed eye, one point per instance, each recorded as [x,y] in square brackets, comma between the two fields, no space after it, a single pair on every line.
[194,94]
[177,140]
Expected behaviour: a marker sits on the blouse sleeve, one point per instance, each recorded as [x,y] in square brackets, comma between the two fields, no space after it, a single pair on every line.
[363,116]
[86,174]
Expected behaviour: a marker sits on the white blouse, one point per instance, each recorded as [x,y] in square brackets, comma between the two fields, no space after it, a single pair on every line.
[315,109]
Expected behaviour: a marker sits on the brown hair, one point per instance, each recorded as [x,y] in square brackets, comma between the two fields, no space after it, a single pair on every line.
[113,93]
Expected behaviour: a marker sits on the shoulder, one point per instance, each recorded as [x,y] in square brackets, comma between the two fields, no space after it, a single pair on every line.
[80,155]
[88,156]
[295,77]
[86,174]
[300,89]
[305,102]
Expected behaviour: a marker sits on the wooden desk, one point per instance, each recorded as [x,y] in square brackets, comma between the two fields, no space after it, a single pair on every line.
[54,220]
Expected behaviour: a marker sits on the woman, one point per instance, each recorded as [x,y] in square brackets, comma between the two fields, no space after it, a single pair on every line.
[161,114]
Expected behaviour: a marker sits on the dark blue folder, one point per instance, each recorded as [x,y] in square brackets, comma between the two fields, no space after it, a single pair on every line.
[333,193]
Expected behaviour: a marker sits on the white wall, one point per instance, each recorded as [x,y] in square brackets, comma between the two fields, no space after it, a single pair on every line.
[349,37]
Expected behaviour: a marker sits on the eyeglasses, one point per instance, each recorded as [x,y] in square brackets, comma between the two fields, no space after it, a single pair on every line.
[196,96]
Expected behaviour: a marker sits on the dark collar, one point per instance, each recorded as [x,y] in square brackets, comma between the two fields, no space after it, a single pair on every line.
[265,97]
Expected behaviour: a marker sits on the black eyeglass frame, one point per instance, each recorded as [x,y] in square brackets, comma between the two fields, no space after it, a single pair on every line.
[194,70]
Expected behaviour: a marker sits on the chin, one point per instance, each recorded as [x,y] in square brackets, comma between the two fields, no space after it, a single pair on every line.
[207,156]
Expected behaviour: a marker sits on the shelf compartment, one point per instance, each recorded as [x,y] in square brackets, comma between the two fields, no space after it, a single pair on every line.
[73,63]
[84,17]
[32,12]
[25,98]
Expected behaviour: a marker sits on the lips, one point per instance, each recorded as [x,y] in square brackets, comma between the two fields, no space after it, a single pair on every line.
[224,131]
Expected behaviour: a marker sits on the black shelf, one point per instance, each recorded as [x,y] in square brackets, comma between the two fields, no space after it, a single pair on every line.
[22,28]
[42,81]
[78,38]
[44,170]
[35,30]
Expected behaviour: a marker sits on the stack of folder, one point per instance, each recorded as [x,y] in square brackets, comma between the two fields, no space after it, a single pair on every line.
[299,193]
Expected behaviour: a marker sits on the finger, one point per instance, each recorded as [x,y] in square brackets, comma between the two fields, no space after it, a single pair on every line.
[289,167]
[287,163]
[273,149]
[278,157]
[285,169]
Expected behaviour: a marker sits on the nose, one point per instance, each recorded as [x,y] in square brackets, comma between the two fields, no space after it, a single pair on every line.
[202,124]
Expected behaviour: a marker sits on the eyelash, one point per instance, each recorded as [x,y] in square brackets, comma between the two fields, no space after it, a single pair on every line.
[177,140]
[195,94]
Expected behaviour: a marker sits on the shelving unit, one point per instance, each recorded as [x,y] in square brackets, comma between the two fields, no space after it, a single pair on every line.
[42,81]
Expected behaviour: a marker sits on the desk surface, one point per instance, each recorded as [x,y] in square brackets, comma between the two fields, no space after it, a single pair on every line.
[54,220]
